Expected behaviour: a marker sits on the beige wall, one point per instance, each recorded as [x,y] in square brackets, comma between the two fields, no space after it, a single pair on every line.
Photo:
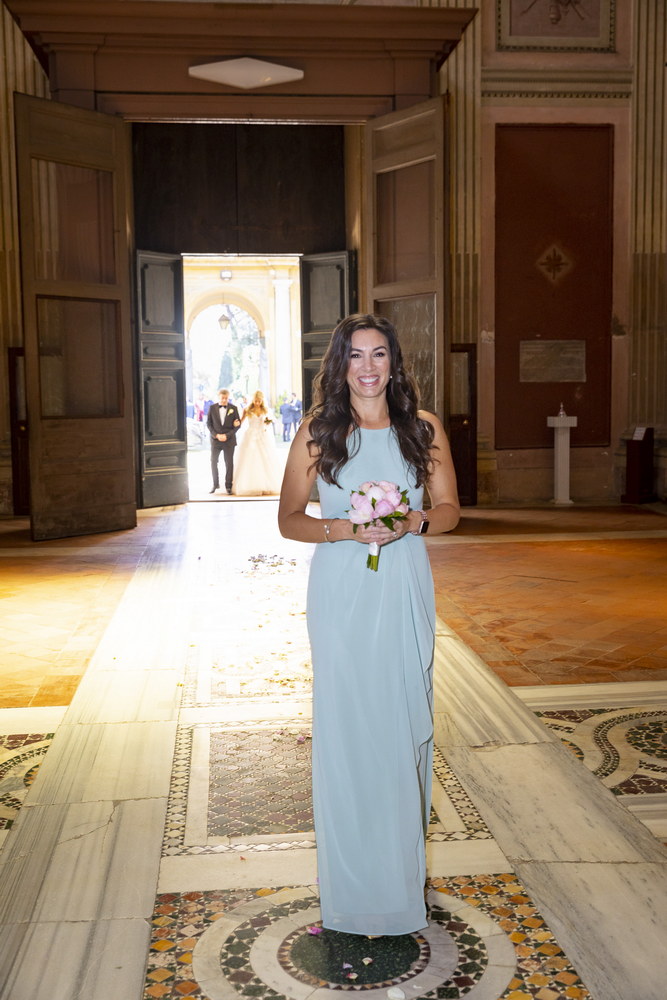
[541,80]
[19,71]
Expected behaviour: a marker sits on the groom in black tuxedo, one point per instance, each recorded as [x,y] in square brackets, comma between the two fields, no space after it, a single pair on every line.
[223,421]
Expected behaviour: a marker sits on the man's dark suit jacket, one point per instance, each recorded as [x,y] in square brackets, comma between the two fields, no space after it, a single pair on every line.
[222,422]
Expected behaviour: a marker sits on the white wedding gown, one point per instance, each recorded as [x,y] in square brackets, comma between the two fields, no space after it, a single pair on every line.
[256,467]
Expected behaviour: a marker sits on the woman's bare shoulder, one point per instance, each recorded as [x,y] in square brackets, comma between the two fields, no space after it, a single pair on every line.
[430,418]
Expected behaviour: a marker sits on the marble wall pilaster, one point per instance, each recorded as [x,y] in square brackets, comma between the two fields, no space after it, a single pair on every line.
[460,79]
[19,71]
[648,384]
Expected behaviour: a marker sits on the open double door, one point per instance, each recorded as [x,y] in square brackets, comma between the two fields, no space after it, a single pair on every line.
[106,405]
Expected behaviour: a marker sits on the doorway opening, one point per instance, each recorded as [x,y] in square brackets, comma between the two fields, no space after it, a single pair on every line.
[242,333]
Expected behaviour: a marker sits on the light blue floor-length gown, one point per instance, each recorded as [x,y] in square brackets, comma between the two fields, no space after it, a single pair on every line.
[372,638]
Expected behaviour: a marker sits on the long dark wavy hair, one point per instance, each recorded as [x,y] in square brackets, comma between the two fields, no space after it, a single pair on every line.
[332,416]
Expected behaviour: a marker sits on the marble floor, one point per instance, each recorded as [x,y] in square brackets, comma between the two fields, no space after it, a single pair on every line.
[155,819]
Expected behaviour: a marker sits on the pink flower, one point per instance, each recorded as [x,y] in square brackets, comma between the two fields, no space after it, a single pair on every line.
[365,486]
[383,508]
[375,493]
[358,499]
[362,515]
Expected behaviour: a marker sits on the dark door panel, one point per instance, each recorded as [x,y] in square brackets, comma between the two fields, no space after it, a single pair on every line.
[328,295]
[163,442]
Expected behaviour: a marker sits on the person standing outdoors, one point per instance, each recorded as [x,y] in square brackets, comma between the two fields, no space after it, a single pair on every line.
[286,417]
[296,411]
[371,633]
[223,421]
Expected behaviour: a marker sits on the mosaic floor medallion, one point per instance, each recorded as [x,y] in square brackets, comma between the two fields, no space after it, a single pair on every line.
[485,940]
[320,957]
[20,757]
[272,952]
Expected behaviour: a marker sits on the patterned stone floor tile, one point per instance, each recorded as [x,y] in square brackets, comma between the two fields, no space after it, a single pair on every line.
[20,757]
[625,748]
[486,940]
[253,791]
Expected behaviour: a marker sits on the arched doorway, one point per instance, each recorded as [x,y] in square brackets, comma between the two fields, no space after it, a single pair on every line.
[242,333]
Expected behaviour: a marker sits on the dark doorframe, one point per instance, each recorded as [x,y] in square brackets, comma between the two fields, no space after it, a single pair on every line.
[18,431]
[463,419]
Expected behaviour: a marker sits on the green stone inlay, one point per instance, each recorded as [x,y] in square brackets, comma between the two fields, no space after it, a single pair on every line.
[327,955]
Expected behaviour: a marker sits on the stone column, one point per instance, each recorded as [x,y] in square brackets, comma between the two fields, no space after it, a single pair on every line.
[648,385]
[282,331]
[460,79]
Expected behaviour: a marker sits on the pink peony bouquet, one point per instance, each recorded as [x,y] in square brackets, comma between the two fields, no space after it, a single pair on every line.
[377,502]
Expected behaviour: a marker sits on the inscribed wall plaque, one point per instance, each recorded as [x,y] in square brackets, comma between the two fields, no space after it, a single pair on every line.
[552,361]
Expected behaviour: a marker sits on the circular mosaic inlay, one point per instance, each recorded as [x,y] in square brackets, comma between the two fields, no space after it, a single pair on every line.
[351,961]
[254,951]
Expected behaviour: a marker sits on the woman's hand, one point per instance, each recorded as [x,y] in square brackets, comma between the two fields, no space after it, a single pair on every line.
[379,533]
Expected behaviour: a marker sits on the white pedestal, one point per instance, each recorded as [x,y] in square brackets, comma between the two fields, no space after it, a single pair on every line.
[561,426]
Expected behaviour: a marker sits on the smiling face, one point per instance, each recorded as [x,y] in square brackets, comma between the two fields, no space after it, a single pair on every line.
[369,364]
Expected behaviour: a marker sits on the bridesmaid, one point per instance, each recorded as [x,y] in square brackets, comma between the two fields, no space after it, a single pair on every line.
[371,633]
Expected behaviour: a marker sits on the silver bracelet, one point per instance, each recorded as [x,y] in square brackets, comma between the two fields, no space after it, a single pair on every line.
[327,528]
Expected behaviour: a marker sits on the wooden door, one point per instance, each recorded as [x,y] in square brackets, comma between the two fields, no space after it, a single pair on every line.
[328,294]
[73,194]
[405,243]
[163,443]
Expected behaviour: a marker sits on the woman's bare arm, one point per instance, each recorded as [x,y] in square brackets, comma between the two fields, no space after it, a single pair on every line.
[445,510]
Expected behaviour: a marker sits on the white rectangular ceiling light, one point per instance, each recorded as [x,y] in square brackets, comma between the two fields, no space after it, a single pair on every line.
[246,73]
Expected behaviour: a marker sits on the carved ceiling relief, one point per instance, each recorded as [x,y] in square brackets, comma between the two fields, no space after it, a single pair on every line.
[543,16]
[556,24]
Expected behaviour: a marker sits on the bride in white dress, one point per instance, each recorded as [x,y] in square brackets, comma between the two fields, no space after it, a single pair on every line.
[257,470]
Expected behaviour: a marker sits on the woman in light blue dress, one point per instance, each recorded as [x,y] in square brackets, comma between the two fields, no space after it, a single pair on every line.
[371,633]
